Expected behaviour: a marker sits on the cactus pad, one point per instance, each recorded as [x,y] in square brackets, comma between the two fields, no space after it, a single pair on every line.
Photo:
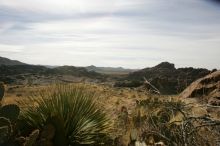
[5,129]
[10,112]
[3,134]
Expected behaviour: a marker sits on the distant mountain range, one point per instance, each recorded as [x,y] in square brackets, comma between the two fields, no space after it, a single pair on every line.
[109,70]
[92,68]
[164,76]
[12,71]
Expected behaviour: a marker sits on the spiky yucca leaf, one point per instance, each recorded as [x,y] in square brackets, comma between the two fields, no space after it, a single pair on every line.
[76,105]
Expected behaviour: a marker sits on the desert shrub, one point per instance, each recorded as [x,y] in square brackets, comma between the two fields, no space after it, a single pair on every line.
[73,112]
[172,122]
[130,84]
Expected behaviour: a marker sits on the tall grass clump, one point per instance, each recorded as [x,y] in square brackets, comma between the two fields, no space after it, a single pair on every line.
[73,112]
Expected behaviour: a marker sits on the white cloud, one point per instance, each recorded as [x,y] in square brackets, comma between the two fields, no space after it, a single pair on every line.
[11,48]
[127,33]
[60,7]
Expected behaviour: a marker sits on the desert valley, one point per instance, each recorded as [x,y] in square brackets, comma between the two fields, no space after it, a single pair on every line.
[109,73]
[161,105]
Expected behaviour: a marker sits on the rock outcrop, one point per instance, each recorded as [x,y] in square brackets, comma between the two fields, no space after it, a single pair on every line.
[165,77]
[206,88]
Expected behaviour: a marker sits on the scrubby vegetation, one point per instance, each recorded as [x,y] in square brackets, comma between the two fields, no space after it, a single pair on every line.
[128,84]
[82,114]
[168,122]
[59,115]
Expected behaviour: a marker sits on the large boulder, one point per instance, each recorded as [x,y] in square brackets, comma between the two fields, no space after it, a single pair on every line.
[206,88]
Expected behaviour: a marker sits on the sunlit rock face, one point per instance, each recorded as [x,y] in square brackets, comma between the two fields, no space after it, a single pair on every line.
[207,88]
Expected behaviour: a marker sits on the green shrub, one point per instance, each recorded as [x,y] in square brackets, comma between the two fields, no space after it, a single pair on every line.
[75,111]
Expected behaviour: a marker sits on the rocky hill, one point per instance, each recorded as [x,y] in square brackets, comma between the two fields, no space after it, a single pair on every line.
[165,77]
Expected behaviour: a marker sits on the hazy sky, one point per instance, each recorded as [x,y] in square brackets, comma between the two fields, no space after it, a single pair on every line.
[127,33]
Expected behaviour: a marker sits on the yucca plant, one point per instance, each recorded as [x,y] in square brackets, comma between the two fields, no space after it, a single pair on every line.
[71,109]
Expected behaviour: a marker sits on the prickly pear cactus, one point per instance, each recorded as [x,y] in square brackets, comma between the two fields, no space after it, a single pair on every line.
[5,129]
[10,112]
[2,90]
[8,117]
[3,134]
[32,138]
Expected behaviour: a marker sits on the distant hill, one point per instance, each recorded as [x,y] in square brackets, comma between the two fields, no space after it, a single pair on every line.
[74,71]
[166,77]
[12,71]
[109,70]
[6,61]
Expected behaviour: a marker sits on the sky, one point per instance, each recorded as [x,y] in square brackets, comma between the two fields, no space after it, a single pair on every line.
[125,33]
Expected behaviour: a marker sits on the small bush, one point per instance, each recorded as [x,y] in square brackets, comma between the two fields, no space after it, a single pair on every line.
[172,122]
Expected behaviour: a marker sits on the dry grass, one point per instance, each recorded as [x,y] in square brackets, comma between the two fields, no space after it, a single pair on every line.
[112,100]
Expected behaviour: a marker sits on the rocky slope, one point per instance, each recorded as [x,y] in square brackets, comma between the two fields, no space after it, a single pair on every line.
[206,89]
